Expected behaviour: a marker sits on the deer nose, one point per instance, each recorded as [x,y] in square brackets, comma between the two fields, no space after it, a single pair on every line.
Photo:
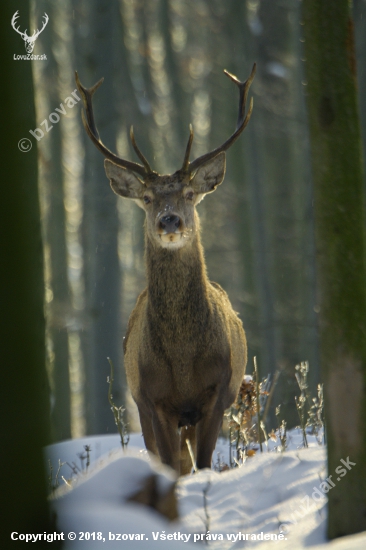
[170,223]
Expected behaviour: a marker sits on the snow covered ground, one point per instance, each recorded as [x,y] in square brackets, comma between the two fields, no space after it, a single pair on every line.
[274,494]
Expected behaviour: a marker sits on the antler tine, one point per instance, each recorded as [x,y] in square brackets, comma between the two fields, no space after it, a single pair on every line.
[91,129]
[185,167]
[138,152]
[242,121]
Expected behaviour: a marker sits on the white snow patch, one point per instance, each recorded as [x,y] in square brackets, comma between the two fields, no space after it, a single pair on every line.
[272,491]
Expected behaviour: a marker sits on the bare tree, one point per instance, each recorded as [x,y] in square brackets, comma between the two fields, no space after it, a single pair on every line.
[340,242]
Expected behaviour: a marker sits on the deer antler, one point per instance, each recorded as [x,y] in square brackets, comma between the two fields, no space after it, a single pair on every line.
[13,21]
[242,121]
[91,129]
[37,32]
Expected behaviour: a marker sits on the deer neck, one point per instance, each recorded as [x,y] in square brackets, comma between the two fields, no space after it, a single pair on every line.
[177,281]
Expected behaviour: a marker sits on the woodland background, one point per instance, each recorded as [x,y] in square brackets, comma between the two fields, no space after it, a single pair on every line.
[162,63]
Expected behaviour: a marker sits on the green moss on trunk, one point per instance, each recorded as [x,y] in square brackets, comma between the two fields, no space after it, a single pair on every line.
[340,243]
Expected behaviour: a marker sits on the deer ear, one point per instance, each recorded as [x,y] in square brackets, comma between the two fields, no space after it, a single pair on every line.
[209,175]
[123,181]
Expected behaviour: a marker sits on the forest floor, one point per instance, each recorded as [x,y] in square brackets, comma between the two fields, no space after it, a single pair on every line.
[272,493]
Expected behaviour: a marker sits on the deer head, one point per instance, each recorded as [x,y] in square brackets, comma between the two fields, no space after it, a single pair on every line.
[168,200]
[29,40]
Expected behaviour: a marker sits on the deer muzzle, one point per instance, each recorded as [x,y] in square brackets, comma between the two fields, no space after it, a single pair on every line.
[170,228]
[170,223]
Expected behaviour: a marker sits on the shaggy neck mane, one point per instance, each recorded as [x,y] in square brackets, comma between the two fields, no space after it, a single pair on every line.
[177,283]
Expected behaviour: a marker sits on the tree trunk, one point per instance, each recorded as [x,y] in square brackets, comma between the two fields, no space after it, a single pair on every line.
[51,178]
[340,244]
[24,390]
[102,338]
[359,14]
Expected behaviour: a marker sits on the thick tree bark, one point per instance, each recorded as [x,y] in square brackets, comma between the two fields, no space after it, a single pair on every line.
[24,390]
[340,243]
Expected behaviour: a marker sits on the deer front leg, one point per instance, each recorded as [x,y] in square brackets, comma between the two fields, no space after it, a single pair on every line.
[207,433]
[148,432]
[167,438]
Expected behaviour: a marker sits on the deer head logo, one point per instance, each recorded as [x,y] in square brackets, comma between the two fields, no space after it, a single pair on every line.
[29,40]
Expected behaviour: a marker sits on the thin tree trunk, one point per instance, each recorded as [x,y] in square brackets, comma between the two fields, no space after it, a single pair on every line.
[339,219]
[47,80]
[102,337]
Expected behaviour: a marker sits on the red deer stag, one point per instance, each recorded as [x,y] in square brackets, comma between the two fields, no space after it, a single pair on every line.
[185,348]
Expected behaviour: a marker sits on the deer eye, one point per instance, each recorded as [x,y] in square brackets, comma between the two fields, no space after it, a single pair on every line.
[146,199]
[189,195]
